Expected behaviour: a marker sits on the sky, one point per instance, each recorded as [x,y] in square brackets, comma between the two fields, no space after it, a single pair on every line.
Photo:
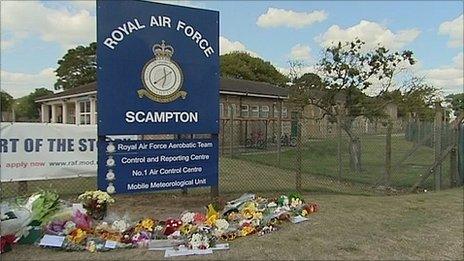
[36,34]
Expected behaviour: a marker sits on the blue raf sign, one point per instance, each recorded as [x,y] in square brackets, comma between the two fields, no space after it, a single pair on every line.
[158,73]
[157,68]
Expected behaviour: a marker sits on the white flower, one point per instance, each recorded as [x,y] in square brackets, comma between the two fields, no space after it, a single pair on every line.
[199,241]
[272,205]
[187,217]
[222,224]
[296,202]
[120,225]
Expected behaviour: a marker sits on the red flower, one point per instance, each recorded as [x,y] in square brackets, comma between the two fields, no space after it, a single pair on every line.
[171,226]
[5,242]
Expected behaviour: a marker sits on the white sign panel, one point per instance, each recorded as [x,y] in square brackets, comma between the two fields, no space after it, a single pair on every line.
[38,151]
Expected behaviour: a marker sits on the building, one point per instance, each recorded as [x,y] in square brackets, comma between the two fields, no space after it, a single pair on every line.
[252,106]
[249,113]
[73,106]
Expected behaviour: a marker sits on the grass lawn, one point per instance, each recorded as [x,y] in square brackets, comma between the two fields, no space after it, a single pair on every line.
[319,158]
[416,226]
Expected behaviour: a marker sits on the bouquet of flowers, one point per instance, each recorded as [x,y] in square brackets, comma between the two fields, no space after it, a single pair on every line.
[96,203]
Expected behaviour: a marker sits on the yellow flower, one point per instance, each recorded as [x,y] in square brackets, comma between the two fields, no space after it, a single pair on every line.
[258,215]
[145,224]
[247,230]
[249,210]
[304,213]
[77,236]
[211,216]
[186,229]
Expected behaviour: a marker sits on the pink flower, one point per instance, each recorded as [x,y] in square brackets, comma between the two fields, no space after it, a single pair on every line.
[82,220]
[199,218]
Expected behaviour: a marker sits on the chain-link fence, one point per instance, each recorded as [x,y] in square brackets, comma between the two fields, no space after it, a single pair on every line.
[368,157]
[298,153]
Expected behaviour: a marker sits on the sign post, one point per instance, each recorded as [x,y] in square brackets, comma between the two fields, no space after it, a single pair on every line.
[158,73]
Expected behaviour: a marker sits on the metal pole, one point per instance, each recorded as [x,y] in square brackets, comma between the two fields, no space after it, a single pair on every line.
[438,127]
[388,153]
[215,189]
[298,157]
[454,157]
[279,133]
[231,148]
[339,146]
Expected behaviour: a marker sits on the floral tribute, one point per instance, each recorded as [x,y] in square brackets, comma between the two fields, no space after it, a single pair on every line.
[96,203]
[248,215]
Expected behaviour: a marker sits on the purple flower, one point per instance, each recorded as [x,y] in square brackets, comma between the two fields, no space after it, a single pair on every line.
[55,227]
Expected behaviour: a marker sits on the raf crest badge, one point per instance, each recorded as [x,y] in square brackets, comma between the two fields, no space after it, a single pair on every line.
[162,77]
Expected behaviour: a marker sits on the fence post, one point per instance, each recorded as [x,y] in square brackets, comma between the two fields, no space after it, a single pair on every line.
[419,129]
[214,192]
[339,146]
[454,156]
[298,156]
[279,133]
[453,168]
[231,149]
[437,143]
[223,130]
[388,152]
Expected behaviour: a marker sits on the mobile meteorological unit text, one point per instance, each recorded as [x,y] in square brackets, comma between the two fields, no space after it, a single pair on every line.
[161,116]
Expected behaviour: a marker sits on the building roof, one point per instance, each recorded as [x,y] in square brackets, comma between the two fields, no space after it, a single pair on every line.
[226,86]
[252,88]
[90,88]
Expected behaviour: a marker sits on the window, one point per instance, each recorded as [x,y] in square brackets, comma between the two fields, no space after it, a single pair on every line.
[221,110]
[284,112]
[245,111]
[276,112]
[85,112]
[235,110]
[264,112]
[255,111]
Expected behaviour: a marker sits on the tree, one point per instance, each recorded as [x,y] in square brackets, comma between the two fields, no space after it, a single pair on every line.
[456,102]
[241,65]
[27,108]
[418,99]
[77,67]
[347,72]
[6,101]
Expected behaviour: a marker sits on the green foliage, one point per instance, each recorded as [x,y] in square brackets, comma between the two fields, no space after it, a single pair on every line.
[27,108]
[310,79]
[6,101]
[416,101]
[346,67]
[457,102]
[241,65]
[347,71]
[77,67]
[45,204]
